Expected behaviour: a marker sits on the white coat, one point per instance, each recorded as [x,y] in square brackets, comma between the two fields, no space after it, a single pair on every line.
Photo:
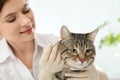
[11,68]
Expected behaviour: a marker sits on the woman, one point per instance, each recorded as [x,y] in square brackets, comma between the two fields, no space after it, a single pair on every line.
[21,48]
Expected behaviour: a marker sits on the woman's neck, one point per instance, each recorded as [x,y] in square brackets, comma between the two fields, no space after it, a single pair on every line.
[22,47]
[24,51]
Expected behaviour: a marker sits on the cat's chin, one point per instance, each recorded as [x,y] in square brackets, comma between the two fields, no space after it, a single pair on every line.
[78,65]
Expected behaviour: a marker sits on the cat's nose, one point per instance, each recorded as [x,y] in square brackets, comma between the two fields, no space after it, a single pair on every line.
[82,59]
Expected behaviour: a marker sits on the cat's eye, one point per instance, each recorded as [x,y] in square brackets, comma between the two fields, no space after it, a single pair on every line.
[73,50]
[88,50]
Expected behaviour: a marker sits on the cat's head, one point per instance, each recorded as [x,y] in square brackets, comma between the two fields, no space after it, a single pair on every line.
[77,49]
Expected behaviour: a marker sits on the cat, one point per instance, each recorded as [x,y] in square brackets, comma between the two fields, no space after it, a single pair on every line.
[78,51]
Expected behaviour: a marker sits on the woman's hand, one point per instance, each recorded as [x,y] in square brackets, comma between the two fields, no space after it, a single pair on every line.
[50,61]
[77,76]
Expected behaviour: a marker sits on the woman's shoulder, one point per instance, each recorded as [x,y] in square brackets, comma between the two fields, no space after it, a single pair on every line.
[45,39]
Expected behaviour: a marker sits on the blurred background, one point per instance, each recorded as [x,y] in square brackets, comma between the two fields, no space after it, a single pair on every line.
[84,16]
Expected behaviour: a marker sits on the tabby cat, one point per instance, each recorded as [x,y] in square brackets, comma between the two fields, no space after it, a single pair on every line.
[77,50]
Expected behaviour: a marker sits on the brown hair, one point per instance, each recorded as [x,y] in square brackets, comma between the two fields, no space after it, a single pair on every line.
[2,2]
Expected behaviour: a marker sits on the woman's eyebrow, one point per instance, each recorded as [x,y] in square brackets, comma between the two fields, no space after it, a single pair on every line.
[13,13]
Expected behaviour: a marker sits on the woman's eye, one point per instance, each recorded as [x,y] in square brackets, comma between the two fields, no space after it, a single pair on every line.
[73,50]
[26,9]
[11,19]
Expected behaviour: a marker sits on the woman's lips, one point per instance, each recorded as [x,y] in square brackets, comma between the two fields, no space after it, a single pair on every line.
[27,31]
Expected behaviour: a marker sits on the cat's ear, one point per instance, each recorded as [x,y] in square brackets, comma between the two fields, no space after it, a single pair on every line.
[92,35]
[64,32]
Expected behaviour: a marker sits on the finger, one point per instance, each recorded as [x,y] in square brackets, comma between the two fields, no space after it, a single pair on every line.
[53,53]
[62,63]
[58,58]
[46,53]
[77,79]
[77,74]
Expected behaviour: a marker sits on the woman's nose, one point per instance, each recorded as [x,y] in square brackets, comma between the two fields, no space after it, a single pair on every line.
[24,21]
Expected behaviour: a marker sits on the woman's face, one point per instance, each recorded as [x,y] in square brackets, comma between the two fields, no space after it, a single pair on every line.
[17,21]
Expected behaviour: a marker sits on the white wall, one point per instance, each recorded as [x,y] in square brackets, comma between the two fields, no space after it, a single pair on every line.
[82,16]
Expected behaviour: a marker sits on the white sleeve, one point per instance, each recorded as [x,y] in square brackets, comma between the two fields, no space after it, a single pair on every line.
[102,75]
[45,39]
[96,73]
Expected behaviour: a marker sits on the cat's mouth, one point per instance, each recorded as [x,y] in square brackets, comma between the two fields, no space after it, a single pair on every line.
[78,64]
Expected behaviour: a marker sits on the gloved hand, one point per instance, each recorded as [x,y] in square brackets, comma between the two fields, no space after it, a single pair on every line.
[77,76]
[50,62]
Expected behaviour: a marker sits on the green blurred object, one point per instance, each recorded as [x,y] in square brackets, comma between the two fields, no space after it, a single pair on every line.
[111,39]
[103,25]
[118,19]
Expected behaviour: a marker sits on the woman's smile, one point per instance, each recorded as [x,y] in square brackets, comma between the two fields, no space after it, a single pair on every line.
[28,31]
